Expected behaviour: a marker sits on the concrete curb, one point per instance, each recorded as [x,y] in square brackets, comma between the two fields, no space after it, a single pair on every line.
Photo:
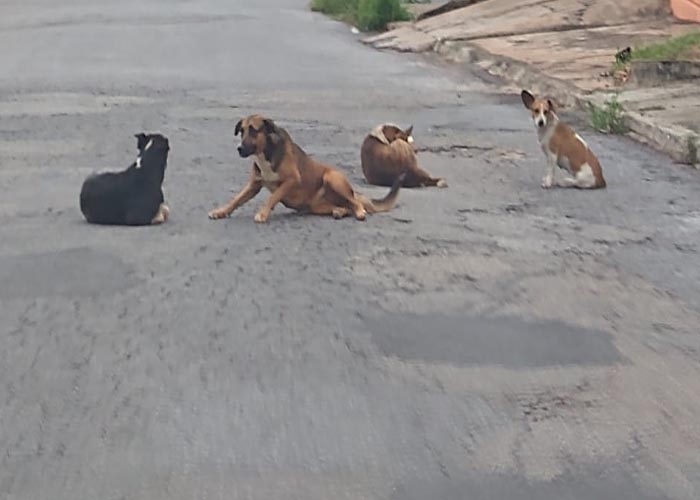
[672,140]
[675,141]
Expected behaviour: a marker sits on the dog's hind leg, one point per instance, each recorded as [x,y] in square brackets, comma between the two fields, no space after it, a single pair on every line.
[143,211]
[340,185]
[583,179]
[419,178]
[441,183]
[323,207]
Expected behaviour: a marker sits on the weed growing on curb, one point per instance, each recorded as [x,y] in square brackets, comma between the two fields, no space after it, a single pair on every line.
[609,117]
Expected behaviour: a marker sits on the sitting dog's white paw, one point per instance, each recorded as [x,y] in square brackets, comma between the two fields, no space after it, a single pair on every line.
[547,182]
[162,214]
[262,216]
[165,210]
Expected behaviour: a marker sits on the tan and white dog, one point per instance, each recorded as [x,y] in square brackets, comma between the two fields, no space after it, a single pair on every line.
[563,148]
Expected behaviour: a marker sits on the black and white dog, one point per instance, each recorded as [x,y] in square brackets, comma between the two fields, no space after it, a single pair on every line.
[133,197]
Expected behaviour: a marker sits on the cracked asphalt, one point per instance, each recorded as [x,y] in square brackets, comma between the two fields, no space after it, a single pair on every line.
[487,341]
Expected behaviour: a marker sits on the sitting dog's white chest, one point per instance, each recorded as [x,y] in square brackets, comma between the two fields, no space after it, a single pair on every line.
[267,174]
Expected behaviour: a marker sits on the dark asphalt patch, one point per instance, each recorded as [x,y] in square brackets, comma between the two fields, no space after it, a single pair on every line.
[584,487]
[504,341]
[70,272]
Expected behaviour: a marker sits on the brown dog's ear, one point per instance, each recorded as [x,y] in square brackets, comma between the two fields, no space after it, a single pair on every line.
[550,104]
[527,98]
[269,126]
[238,127]
[409,131]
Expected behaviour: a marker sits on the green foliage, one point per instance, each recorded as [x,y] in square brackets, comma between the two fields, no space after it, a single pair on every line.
[669,50]
[683,47]
[367,15]
[608,118]
[341,9]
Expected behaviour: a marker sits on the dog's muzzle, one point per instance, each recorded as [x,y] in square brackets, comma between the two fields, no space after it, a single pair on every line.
[244,152]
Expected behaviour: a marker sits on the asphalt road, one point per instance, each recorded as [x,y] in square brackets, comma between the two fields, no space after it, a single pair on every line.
[487,341]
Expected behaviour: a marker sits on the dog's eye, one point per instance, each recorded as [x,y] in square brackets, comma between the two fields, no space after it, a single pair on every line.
[252,132]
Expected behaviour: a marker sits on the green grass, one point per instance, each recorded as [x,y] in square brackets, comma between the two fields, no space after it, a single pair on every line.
[669,50]
[608,118]
[676,48]
[367,15]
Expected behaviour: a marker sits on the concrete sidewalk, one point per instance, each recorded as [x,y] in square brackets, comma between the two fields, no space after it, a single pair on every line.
[566,49]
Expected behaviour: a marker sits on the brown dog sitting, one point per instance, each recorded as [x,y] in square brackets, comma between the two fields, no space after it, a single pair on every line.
[295,179]
[387,152]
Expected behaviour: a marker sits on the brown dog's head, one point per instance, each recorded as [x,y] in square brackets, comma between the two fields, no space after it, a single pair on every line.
[542,109]
[392,133]
[258,136]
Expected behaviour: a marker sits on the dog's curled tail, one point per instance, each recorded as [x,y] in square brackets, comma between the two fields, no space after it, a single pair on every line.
[386,203]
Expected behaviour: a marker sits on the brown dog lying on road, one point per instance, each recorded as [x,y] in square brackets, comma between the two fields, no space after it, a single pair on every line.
[294,178]
[387,152]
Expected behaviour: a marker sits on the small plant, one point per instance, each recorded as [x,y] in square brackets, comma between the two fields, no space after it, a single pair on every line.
[374,15]
[608,118]
[623,57]
[367,15]
[692,150]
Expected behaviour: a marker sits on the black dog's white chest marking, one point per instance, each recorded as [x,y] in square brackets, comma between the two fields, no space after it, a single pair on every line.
[138,158]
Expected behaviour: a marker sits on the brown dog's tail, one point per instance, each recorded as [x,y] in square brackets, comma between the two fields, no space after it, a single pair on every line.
[386,203]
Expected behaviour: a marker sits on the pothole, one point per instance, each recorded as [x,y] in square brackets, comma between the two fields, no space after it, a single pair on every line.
[586,485]
[478,340]
[71,272]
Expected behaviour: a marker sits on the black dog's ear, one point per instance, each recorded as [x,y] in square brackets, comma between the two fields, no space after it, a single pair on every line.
[527,98]
[269,126]
[239,125]
[141,140]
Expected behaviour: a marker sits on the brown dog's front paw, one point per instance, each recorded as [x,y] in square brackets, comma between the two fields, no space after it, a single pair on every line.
[442,183]
[219,213]
[262,216]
